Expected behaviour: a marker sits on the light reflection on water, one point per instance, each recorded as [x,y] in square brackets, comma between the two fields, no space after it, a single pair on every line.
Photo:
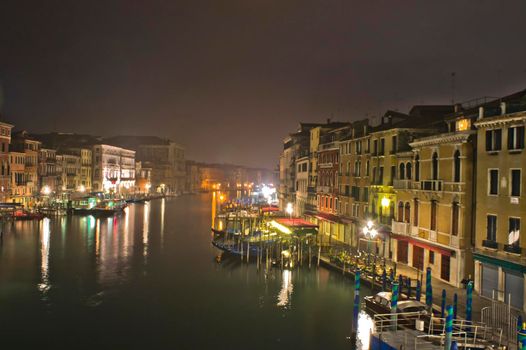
[285,294]
[45,234]
[365,327]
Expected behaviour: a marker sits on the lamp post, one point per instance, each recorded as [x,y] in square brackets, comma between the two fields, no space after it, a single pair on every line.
[370,233]
[289,209]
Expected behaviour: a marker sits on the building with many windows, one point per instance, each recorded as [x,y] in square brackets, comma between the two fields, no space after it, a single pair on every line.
[500,260]
[5,176]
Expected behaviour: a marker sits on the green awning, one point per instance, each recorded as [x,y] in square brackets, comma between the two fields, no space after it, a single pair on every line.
[505,264]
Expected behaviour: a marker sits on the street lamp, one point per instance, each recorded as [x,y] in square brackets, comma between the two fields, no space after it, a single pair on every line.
[370,233]
[289,209]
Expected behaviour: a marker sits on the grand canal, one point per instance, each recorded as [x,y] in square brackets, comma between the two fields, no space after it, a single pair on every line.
[149,279]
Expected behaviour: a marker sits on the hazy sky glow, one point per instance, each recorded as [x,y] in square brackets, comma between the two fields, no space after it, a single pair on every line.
[229,79]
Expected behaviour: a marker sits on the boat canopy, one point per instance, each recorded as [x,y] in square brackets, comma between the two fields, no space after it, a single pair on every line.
[295,226]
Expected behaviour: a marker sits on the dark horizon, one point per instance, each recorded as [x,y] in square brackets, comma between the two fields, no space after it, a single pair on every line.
[229,80]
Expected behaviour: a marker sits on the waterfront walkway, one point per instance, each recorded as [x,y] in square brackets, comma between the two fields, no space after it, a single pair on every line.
[407,271]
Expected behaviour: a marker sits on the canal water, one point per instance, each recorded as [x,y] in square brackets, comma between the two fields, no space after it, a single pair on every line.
[149,280]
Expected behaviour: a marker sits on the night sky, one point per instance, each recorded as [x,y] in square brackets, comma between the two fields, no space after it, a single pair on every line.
[229,79]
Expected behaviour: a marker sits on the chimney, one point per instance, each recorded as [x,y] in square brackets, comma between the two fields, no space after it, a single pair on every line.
[481,112]
[503,108]
[328,120]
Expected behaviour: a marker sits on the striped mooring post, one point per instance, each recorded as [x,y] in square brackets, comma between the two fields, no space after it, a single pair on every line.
[394,305]
[469,301]
[443,304]
[408,285]
[418,290]
[455,305]
[454,345]
[400,283]
[429,289]
[521,332]
[356,306]
[384,280]
[449,328]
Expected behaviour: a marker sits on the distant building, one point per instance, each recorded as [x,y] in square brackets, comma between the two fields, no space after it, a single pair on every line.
[49,178]
[5,178]
[113,169]
[23,142]
[70,172]
[165,158]
[143,178]
[17,161]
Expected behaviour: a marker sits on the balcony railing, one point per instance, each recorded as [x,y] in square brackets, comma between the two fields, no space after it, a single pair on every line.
[490,244]
[512,248]
[431,185]
[402,184]
[401,228]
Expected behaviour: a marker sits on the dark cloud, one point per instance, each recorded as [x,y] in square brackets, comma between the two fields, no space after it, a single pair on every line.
[230,78]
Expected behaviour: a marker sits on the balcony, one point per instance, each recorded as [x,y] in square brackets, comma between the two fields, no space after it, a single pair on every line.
[512,248]
[431,185]
[401,228]
[402,184]
[433,236]
[490,244]
[325,165]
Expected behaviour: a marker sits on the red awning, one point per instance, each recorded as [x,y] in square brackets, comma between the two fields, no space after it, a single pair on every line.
[425,245]
[269,209]
[328,217]
[295,222]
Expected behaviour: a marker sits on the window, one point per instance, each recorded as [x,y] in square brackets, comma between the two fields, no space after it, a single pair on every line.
[382,147]
[375,147]
[514,231]
[408,170]
[365,194]
[367,168]
[515,182]
[456,166]
[381,175]
[374,174]
[493,182]
[493,140]
[395,146]
[455,213]
[433,226]
[417,168]
[431,257]
[401,173]
[407,212]
[516,138]
[491,228]
[393,173]
[400,211]
[434,166]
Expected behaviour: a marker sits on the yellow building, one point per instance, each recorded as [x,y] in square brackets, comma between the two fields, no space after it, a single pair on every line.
[500,260]
[433,222]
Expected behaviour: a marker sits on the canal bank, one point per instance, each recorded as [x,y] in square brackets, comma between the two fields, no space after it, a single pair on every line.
[149,279]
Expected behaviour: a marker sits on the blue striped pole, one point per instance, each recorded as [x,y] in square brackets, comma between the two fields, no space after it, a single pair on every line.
[455,305]
[418,291]
[449,328]
[408,288]
[519,332]
[469,301]
[443,304]
[394,304]
[429,289]
[454,345]
[356,307]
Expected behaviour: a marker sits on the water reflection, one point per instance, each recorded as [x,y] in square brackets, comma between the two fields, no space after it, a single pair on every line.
[285,293]
[163,208]
[365,326]
[145,229]
[45,234]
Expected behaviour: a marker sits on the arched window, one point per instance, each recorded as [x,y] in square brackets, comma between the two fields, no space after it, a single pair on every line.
[408,171]
[407,212]
[401,173]
[400,211]
[456,166]
[434,166]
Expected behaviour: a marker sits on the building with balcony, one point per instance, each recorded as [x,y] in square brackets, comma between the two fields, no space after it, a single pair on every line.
[5,176]
[354,181]
[499,252]
[69,167]
[23,142]
[302,183]
[48,177]
[113,169]
[19,191]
